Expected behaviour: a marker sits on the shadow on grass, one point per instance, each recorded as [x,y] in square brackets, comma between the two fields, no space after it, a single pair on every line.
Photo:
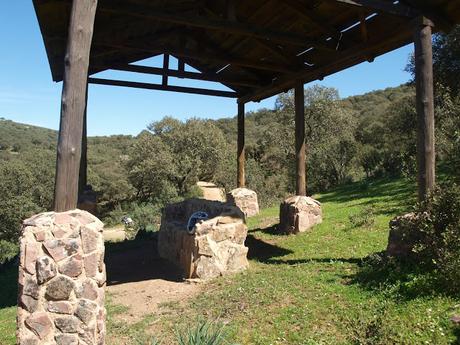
[457,335]
[271,230]
[138,260]
[263,251]
[313,260]
[402,192]
[402,279]
[8,286]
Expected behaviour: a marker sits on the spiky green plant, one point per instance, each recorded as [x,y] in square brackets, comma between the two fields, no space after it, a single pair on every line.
[205,333]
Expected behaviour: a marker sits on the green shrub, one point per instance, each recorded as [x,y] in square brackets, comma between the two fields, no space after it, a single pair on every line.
[438,245]
[8,250]
[365,218]
[205,333]
[434,234]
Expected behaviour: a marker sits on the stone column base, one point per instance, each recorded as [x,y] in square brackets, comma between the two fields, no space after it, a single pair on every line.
[245,199]
[299,214]
[61,280]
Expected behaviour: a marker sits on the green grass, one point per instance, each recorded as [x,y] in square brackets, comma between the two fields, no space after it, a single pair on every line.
[311,288]
[8,293]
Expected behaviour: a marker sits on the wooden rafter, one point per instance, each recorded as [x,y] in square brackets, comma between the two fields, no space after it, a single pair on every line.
[342,60]
[213,24]
[194,54]
[138,85]
[181,73]
[383,6]
[305,13]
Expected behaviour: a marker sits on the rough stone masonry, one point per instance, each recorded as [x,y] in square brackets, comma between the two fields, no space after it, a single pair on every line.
[61,280]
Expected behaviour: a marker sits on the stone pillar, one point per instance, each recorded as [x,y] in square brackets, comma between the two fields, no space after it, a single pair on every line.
[245,199]
[61,280]
[299,214]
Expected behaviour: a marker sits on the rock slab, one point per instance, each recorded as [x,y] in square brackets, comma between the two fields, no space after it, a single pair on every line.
[299,214]
[216,246]
[245,199]
[61,292]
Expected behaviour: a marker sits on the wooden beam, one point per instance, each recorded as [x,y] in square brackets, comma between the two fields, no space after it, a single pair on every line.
[181,67]
[83,172]
[382,6]
[164,79]
[226,26]
[73,103]
[202,55]
[320,23]
[160,87]
[440,20]
[185,74]
[241,178]
[399,36]
[301,180]
[425,110]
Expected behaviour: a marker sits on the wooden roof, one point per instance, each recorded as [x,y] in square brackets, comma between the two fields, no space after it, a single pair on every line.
[257,48]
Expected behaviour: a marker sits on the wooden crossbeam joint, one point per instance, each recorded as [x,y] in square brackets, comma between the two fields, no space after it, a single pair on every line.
[383,6]
[160,87]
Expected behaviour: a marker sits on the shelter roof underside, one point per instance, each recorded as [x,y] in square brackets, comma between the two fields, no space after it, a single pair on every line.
[256,48]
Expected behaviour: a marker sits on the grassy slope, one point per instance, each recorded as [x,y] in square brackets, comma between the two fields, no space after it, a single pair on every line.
[309,288]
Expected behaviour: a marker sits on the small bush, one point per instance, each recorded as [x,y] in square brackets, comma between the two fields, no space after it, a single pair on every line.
[365,218]
[434,234]
[205,333]
[8,251]
[438,245]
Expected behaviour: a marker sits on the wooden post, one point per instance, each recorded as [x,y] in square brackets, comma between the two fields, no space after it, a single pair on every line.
[83,174]
[241,181]
[164,79]
[301,185]
[425,107]
[73,104]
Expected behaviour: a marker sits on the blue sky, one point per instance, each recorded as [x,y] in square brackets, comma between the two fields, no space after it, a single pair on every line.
[28,95]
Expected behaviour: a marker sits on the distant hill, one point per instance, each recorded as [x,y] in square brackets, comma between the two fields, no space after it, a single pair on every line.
[107,154]
[374,104]
[16,137]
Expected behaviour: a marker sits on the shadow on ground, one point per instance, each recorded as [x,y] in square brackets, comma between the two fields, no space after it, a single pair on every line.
[8,286]
[271,230]
[262,251]
[400,193]
[292,262]
[138,260]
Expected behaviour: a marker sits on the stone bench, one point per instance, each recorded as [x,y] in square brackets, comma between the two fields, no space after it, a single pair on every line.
[215,248]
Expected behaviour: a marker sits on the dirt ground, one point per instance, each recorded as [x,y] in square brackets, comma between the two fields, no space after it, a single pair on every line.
[140,280]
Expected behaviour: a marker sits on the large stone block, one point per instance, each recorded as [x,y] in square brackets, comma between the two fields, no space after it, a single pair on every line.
[215,247]
[211,192]
[61,291]
[245,199]
[299,214]
[403,234]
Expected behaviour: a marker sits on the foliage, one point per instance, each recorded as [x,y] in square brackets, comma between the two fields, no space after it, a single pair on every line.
[364,218]
[205,333]
[438,241]
[166,162]
[22,195]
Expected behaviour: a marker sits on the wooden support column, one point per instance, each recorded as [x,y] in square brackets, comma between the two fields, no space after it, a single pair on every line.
[83,173]
[425,107]
[73,104]
[241,181]
[301,183]
[164,80]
